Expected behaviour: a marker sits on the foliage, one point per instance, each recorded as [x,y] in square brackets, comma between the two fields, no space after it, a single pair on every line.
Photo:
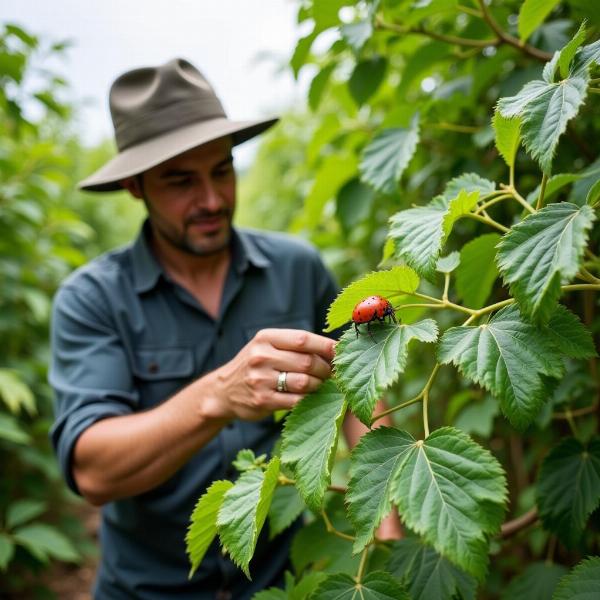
[44,233]
[450,165]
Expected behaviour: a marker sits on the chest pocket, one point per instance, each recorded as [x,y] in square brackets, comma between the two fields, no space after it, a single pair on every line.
[294,321]
[160,372]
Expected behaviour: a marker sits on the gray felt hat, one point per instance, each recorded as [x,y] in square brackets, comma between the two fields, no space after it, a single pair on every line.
[160,112]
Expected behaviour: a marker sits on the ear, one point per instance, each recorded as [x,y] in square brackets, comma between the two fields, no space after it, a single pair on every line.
[132,185]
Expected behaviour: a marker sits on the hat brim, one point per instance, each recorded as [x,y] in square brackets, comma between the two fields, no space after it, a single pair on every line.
[146,155]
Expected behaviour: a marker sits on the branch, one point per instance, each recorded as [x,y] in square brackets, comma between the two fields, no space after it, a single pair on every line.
[449,39]
[509,39]
[513,527]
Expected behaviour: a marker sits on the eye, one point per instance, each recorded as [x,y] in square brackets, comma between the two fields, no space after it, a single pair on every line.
[181,182]
[224,171]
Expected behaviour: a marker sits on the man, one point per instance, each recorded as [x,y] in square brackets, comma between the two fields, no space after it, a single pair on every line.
[171,354]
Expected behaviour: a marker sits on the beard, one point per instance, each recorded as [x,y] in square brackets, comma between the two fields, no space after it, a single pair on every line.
[198,244]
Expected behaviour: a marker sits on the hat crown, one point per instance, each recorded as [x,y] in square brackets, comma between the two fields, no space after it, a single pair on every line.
[151,101]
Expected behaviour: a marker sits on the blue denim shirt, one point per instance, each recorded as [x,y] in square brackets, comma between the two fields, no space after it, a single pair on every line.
[125,337]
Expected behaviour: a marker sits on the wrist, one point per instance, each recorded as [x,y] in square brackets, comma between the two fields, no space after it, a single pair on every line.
[212,405]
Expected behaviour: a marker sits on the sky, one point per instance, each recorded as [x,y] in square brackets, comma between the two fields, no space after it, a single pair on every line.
[240,46]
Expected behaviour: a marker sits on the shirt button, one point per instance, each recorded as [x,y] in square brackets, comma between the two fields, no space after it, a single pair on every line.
[153,367]
[223,595]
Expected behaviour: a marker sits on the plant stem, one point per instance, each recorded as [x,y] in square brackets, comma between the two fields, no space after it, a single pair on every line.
[362,565]
[578,412]
[449,39]
[389,411]
[457,128]
[588,276]
[540,200]
[551,549]
[445,303]
[512,527]
[426,399]
[331,529]
[513,192]
[493,201]
[470,11]
[488,309]
[581,286]
[488,221]
[446,287]
[571,422]
[337,488]
[414,400]
[509,39]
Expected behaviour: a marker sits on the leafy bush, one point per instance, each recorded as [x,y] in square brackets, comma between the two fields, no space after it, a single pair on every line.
[454,151]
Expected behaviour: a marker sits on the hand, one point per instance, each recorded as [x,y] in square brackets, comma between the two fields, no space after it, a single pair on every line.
[246,387]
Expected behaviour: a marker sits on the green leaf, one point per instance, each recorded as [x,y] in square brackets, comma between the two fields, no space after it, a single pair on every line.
[286,507]
[374,463]
[243,513]
[318,85]
[377,585]
[447,264]
[586,57]
[203,526]
[508,357]
[7,551]
[21,511]
[582,583]
[541,253]
[11,431]
[334,171]
[568,52]
[568,488]
[532,14]
[419,233]
[357,34]
[392,284]
[309,441]
[452,491]
[508,136]
[45,541]
[537,582]
[366,78]
[15,393]
[570,335]
[478,417]
[383,161]
[246,460]
[545,109]
[477,271]
[301,52]
[366,365]
[353,204]
[468,182]
[314,547]
[553,186]
[427,575]
[593,195]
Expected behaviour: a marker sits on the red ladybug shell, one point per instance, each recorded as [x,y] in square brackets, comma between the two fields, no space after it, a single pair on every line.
[371,308]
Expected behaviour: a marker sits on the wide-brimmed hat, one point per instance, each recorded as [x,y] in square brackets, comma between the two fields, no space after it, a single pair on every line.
[160,112]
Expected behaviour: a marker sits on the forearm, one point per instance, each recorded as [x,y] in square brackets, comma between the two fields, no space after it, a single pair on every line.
[128,455]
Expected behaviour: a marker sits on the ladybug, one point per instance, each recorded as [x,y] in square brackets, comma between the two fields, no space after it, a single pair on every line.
[371,309]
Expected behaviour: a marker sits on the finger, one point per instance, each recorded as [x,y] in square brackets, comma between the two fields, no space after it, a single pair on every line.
[299,383]
[299,341]
[285,400]
[299,362]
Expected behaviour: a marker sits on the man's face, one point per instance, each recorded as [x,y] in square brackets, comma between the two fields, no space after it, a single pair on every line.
[191,198]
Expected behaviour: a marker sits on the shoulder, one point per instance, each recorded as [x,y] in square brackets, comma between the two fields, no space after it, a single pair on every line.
[99,276]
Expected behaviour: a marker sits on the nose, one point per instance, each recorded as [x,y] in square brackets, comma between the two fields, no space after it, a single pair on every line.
[207,196]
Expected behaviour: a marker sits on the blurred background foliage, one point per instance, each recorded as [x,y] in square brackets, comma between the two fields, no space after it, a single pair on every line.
[305,179]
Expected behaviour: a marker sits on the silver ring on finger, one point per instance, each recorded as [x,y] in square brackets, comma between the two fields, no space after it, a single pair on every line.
[282,382]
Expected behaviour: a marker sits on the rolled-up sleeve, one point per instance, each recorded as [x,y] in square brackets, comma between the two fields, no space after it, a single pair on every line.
[90,372]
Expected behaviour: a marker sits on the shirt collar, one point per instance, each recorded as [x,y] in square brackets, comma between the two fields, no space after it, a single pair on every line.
[147,270]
